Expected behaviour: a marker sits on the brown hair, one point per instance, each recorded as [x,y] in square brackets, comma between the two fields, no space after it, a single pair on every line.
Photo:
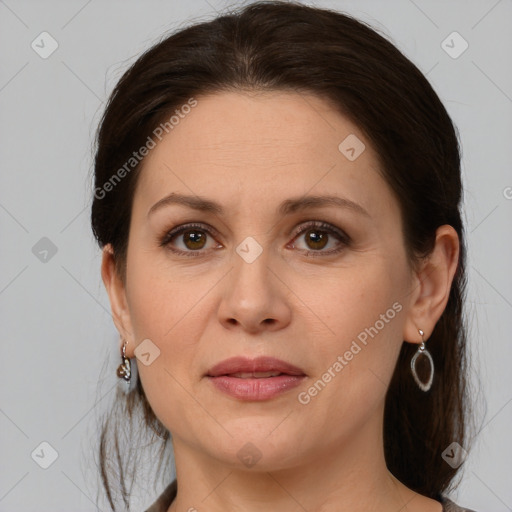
[274,45]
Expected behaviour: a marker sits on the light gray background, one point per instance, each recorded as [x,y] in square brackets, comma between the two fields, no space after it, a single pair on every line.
[59,345]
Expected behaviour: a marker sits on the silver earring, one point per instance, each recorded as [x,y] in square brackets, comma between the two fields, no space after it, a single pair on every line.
[124,370]
[422,352]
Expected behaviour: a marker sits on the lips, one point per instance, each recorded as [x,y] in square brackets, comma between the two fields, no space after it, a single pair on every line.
[260,367]
[257,379]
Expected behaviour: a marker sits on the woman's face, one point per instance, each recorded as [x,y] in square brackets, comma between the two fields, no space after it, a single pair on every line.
[257,275]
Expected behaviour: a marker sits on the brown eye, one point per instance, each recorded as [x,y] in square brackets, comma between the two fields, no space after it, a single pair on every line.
[316,239]
[317,235]
[188,240]
[194,239]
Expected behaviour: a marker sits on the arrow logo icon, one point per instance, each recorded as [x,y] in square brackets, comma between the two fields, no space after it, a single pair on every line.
[44,45]
[146,352]
[454,455]
[249,249]
[44,250]
[454,45]
[351,147]
[249,454]
[44,455]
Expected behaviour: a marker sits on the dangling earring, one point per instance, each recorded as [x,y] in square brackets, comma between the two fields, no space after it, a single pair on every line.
[124,370]
[422,351]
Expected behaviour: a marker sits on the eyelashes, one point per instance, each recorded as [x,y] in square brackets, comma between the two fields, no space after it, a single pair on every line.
[312,229]
[325,229]
[186,228]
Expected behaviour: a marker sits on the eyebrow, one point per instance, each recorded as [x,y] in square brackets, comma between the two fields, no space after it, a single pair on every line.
[285,208]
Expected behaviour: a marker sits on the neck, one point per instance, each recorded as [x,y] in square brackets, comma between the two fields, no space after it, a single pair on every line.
[348,476]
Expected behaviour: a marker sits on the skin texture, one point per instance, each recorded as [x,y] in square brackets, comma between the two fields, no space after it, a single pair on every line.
[249,152]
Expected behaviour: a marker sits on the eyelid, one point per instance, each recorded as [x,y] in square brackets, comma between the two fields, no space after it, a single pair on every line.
[331,229]
[210,230]
[322,225]
[169,235]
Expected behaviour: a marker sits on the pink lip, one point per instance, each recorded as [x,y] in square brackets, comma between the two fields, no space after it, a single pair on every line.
[259,364]
[255,389]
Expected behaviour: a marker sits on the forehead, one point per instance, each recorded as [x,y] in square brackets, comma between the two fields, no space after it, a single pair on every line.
[238,146]
[263,128]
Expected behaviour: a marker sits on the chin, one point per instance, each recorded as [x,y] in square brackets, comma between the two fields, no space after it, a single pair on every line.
[267,446]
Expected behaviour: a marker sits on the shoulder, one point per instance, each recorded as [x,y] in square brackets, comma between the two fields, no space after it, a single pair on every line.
[165,499]
[450,506]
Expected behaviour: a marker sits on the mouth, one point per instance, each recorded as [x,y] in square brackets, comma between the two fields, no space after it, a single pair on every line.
[260,367]
[257,379]
[255,375]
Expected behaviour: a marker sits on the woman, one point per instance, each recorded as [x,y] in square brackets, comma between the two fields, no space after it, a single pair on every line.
[277,196]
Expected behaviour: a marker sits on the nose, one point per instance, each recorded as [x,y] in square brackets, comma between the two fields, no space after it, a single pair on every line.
[255,297]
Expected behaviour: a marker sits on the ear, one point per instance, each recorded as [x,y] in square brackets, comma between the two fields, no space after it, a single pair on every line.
[117,295]
[431,284]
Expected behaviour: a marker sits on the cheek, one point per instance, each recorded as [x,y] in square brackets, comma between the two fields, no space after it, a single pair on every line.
[353,299]
[158,302]
[168,314]
[362,321]
[353,367]
[163,312]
